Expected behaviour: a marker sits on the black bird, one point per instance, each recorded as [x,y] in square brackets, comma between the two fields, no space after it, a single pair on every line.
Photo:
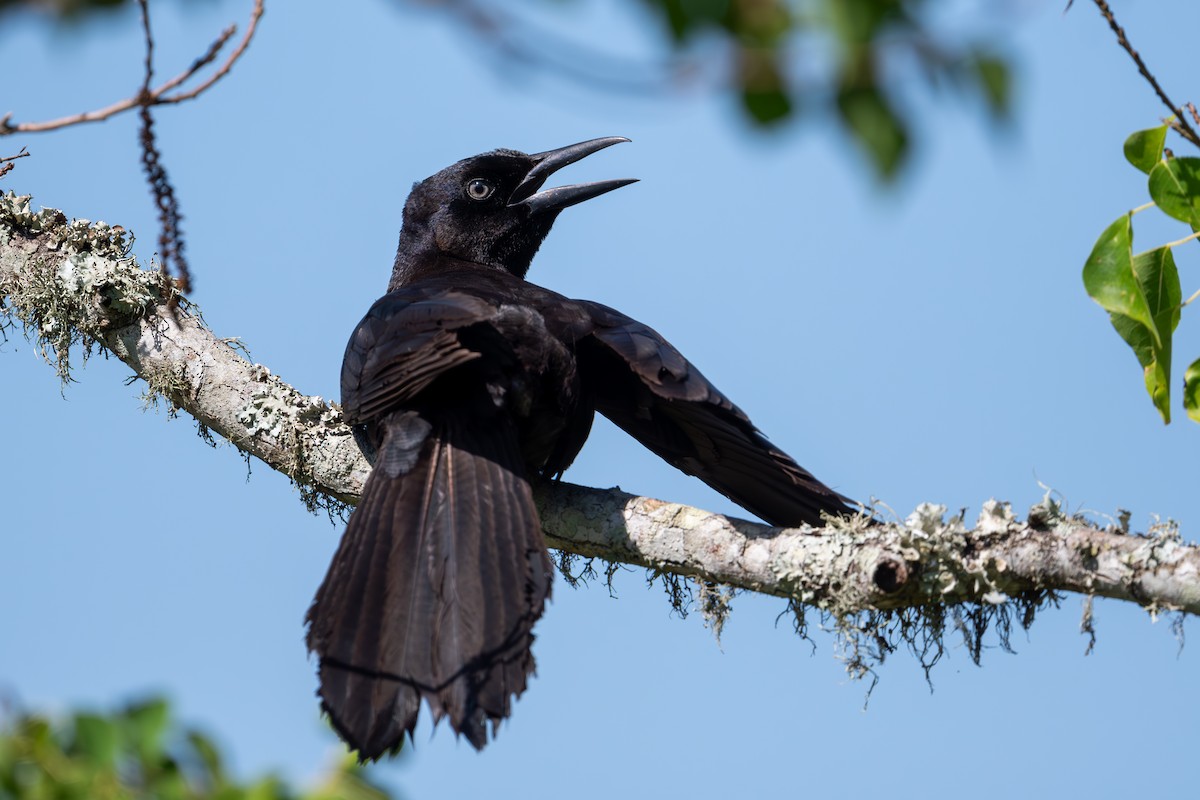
[465,383]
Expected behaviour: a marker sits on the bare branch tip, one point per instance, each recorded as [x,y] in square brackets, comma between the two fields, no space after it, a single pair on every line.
[223,70]
[1181,125]
[157,96]
[22,154]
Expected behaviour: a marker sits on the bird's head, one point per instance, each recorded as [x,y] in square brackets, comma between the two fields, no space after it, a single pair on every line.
[488,208]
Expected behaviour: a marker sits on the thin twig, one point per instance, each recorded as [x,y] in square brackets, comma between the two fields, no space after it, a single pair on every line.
[157,96]
[574,60]
[1189,238]
[203,61]
[6,165]
[24,153]
[222,70]
[144,95]
[1191,299]
[1180,123]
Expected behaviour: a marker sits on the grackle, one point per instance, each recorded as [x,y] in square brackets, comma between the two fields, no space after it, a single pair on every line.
[464,384]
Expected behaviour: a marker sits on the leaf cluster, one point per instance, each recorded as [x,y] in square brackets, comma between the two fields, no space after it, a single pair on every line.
[1142,292]
[139,753]
[853,59]
[66,9]
[773,42]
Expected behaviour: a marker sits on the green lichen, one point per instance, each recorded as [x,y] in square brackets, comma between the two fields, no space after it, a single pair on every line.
[76,283]
[169,384]
[68,284]
[18,217]
[278,412]
[932,545]
[970,601]
[715,601]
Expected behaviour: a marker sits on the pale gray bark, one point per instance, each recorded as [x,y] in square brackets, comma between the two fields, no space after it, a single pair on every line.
[71,283]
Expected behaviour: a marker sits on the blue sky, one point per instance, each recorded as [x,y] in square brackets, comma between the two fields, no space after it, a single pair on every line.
[928,342]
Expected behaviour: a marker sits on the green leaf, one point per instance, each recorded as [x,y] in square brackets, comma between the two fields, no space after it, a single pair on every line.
[1175,187]
[1191,390]
[1144,149]
[100,757]
[96,739]
[1109,279]
[206,753]
[677,19]
[268,788]
[876,127]
[145,724]
[1159,277]
[684,18]
[170,785]
[1156,272]
[766,107]
[995,79]
[1142,295]
[347,780]
[763,84]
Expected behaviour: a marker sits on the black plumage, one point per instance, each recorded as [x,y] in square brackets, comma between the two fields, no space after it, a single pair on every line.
[465,383]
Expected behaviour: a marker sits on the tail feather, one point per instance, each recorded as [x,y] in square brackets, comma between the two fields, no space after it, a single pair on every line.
[433,592]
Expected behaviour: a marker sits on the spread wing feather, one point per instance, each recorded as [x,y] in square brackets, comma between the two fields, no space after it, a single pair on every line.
[647,388]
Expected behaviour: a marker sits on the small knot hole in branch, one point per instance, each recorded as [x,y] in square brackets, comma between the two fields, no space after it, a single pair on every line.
[890,575]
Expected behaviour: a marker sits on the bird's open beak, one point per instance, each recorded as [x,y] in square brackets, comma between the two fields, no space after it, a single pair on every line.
[560,197]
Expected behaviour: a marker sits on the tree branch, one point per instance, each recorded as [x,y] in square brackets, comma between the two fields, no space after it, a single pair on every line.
[1179,123]
[6,163]
[517,41]
[73,284]
[160,95]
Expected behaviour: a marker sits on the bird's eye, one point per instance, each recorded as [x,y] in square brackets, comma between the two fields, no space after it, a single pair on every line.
[479,189]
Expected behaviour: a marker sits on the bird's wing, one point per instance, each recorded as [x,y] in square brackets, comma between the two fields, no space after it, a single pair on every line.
[647,388]
[407,339]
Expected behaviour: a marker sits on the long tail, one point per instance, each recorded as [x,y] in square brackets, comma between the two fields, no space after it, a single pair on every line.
[435,588]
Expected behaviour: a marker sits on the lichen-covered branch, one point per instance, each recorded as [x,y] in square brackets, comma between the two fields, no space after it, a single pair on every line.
[855,565]
[73,285]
